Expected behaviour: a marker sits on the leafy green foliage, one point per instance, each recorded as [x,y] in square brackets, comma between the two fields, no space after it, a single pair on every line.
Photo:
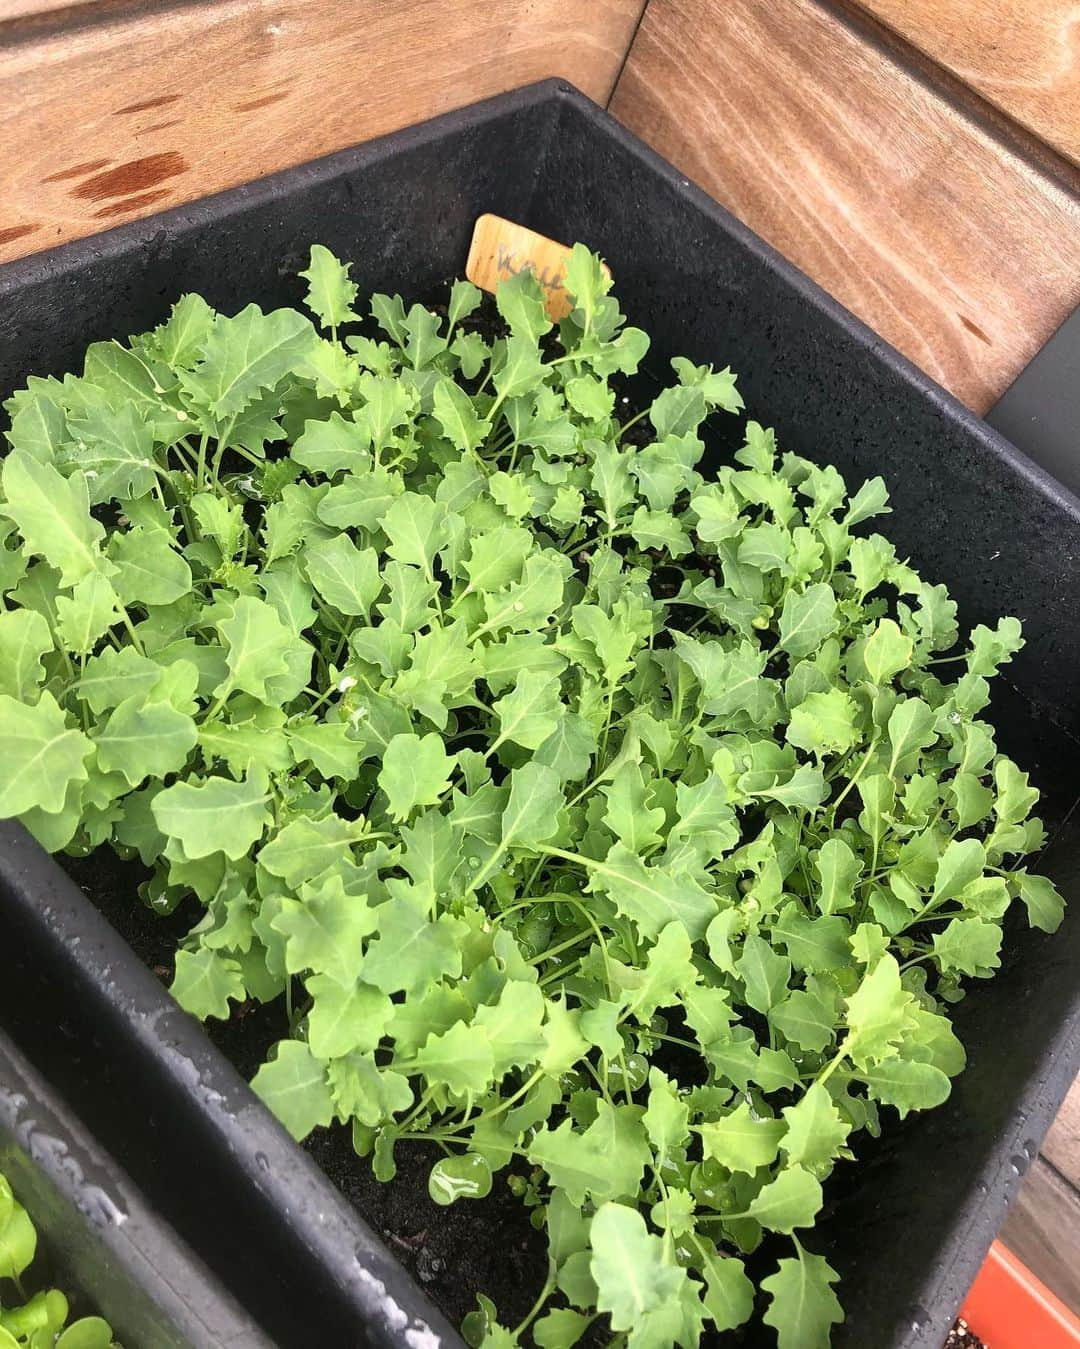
[616,823]
[40,1320]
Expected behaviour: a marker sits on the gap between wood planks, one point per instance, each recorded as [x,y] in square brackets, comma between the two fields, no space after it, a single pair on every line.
[908,197]
[1021,58]
[35,20]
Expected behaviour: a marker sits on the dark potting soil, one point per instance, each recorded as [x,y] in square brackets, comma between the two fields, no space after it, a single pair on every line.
[486,1245]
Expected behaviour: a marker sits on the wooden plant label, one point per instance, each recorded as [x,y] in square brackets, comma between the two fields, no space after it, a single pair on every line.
[500,249]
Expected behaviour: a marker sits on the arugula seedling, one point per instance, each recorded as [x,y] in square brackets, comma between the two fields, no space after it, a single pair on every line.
[39,1321]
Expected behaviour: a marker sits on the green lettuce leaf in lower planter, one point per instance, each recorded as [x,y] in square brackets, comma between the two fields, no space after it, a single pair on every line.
[39,1321]
[621,821]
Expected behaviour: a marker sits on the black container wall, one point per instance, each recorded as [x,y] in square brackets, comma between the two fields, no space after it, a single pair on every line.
[1040,411]
[909,1232]
[97,1236]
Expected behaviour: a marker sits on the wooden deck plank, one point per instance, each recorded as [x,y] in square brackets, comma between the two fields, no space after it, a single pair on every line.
[1023,56]
[107,121]
[943,239]
[1043,1228]
[1062,1145]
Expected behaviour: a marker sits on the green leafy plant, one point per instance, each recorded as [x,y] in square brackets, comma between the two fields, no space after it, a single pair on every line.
[40,1321]
[621,825]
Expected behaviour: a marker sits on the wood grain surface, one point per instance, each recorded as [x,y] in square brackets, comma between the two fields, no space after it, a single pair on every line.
[944,240]
[1023,56]
[1043,1228]
[1062,1146]
[106,121]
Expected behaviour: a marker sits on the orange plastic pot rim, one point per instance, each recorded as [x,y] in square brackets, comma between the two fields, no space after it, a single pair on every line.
[1008,1308]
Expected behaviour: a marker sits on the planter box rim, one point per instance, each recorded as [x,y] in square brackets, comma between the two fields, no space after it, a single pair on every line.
[92,954]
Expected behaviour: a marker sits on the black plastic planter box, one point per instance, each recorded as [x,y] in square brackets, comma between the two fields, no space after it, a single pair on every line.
[97,1236]
[910,1227]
